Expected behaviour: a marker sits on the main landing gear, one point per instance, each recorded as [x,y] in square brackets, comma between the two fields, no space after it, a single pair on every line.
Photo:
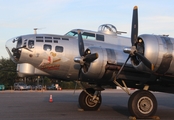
[90,100]
[141,104]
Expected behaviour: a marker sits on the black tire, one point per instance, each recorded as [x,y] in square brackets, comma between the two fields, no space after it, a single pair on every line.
[142,104]
[86,103]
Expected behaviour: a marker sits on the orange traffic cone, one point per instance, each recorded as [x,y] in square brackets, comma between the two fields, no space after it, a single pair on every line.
[51,99]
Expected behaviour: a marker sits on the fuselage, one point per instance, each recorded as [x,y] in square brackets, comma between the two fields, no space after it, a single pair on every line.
[53,55]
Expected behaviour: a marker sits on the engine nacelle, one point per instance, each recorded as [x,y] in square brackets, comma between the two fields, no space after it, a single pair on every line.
[159,50]
[96,68]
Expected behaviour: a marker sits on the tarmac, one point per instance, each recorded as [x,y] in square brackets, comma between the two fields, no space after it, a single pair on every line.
[35,105]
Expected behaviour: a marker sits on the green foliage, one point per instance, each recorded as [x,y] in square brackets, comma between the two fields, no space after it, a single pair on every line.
[47,81]
[7,72]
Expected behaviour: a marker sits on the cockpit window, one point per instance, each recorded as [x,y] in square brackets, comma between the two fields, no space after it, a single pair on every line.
[85,35]
[47,47]
[31,44]
[72,33]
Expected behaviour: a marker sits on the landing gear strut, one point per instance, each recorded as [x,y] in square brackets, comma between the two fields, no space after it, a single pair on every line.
[90,100]
[142,104]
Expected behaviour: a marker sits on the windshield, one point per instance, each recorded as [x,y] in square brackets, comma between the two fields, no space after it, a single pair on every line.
[72,33]
[85,35]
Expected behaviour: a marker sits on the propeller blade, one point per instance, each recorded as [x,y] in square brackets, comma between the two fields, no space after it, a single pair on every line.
[145,61]
[79,74]
[90,57]
[134,32]
[80,44]
[85,67]
[122,67]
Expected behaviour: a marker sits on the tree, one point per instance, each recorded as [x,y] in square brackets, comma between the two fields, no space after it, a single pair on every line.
[8,72]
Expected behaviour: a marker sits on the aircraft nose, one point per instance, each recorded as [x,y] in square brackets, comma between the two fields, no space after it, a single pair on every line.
[12,47]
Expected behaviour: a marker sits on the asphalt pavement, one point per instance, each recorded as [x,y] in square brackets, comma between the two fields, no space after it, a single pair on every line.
[35,105]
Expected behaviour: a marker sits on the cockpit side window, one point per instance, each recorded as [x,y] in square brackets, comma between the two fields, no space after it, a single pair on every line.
[31,44]
[47,47]
[99,37]
[89,36]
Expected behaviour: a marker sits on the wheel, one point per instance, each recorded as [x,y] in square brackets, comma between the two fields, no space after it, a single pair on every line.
[87,103]
[142,104]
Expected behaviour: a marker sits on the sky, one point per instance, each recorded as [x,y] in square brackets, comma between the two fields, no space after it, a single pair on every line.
[20,17]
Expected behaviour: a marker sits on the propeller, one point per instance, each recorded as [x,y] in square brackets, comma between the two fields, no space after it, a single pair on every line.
[134,40]
[85,56]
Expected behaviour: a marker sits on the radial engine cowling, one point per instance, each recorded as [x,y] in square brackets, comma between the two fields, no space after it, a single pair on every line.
[96,69]
[158,50]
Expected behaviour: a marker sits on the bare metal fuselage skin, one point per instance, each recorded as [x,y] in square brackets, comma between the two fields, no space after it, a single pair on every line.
[53,55]
[62,63]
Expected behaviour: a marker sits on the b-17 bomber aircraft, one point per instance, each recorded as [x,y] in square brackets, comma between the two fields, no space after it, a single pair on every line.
[98,59]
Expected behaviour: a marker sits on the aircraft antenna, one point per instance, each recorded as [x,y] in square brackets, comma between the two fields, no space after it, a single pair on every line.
[35,30]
